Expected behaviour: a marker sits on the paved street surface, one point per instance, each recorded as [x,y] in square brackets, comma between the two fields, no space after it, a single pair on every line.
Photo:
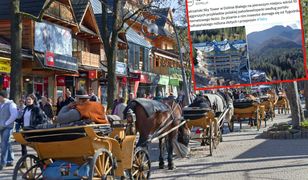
[242,155]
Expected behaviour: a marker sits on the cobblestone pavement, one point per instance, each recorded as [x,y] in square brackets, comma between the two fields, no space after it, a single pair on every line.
[241,155]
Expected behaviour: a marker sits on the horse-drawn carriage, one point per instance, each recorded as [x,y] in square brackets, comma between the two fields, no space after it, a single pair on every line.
[269,109]
[81,152]
[208,117]
[282,105]
[248,109]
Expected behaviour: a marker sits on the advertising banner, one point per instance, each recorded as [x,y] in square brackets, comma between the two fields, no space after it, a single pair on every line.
[59,61]
[53,38]
[246,42]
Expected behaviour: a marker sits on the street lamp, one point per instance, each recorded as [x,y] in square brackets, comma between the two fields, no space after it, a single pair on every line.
[153,29]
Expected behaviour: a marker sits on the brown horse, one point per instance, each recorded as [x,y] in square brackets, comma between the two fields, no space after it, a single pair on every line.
[150,123]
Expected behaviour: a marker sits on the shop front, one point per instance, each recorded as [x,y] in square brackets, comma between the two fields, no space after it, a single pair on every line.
[163,85]
[145,85]
[5,69]
[121,74]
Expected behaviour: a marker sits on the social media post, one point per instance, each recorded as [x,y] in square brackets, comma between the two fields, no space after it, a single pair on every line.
[240,43]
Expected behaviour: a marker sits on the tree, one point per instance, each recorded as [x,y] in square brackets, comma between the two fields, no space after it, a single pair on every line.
[110,37]
[16,45]
[296,110]
[306,94]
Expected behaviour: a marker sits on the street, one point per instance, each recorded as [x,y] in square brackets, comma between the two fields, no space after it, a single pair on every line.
[241,155]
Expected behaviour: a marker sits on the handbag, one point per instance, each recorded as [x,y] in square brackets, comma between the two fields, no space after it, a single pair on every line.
[62,170]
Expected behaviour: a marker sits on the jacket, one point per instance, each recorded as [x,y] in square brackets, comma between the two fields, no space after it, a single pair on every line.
[93,111]
[37,116]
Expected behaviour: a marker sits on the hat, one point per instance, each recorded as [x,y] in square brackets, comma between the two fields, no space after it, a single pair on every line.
[81,94]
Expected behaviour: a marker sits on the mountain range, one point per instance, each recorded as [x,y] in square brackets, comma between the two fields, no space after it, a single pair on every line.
[273,38]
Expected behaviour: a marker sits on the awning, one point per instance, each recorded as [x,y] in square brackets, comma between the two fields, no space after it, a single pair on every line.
[174,82]
[133,37]
[164,80]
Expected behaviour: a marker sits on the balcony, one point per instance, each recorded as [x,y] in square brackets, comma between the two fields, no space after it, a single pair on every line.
[161,70]
[60,11]
[86,58]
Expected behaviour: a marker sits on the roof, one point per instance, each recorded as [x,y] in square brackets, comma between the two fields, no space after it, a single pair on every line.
[33,7]
[133,37]
[79,7]
[162,13]
[221,46]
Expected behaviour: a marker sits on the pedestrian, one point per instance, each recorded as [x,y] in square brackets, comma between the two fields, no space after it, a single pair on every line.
[171,96]
[69,99]
[159,96]
[93,96]
[8,114]
[32,117]
[20,108]
[130,98]
[46,107]
[83,109]
[120,108]
[60,104]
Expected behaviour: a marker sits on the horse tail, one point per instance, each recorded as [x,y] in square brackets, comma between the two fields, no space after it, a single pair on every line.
[131,105]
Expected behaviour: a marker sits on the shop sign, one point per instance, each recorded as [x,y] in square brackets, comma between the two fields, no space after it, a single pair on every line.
[60,81]
[92,74]
[6,81]
[60,61]
[135,76]
[164,80]
[121,68]
[174,82]
[5,65]
[144,78]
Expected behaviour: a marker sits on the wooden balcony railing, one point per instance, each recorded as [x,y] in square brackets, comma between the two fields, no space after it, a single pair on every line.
[161,70]
[86,58]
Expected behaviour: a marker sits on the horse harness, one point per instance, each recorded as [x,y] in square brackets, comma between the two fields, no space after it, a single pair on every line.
[163,126]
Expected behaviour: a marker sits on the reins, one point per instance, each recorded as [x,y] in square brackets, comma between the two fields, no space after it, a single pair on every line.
[163,126]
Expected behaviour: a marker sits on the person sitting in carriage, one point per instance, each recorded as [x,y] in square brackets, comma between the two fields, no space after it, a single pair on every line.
[83,109]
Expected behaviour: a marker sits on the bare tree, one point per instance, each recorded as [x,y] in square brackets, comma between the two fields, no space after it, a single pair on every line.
[110,38]
[16,45]
[293,97]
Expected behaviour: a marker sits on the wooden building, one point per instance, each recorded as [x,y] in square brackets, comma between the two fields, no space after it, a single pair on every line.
[65,48]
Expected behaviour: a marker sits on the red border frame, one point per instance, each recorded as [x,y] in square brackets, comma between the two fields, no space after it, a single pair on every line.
[252,84]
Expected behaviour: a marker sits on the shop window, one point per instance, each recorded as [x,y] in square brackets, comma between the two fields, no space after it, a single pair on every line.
[141,62]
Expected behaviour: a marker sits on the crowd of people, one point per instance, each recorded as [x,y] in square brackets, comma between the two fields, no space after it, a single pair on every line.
[31,113]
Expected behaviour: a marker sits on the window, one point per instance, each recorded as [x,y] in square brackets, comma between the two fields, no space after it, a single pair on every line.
[80,45]
[141,60]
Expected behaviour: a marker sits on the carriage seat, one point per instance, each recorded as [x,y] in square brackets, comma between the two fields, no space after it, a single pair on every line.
[243,103]
[195,112]
[63,133]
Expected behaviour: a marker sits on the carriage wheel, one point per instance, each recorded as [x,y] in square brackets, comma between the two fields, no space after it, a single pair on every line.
[28,167]
[231,125]
[102,165]
[141,165]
